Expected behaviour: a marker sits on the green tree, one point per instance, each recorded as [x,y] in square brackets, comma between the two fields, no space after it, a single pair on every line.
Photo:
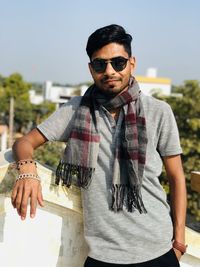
[14,86]
[186,109]
[26,115]
[50,153]
[187,114]
[42,111]
[2,100]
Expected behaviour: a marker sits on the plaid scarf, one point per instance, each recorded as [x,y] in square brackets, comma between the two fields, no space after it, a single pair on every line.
[81,152]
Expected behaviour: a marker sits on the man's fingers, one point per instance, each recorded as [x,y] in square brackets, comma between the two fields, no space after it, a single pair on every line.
[13,196]
[34,195]
[24,202]
[178,253]
[24,189]
[40,197]
[33,203]
[19,198]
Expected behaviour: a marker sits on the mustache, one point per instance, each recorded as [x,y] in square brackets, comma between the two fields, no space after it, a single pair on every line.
[110,78]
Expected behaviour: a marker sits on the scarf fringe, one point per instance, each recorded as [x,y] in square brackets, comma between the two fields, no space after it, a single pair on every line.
[67,172]
[133,197]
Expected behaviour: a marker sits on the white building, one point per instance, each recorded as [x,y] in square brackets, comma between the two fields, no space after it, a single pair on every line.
[56,93]
[35,98]
[151,84]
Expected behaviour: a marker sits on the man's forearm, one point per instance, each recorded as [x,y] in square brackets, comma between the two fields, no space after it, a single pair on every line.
[22,149]
[178,201]
[178,205]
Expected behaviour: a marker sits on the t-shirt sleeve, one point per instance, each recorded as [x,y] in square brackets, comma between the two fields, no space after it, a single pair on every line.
[168,141]
[58,125]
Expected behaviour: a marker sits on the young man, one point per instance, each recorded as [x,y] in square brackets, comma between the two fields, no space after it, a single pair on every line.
[117,139]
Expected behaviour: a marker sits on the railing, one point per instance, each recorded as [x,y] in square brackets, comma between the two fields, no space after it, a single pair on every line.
[54,238]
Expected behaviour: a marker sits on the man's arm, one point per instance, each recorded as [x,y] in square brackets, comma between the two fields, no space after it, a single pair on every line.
[23,148]
[178,197]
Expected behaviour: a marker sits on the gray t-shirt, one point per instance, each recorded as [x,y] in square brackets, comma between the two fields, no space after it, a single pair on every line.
[124,237]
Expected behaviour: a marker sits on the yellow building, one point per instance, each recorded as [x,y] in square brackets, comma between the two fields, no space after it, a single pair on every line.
[151,84]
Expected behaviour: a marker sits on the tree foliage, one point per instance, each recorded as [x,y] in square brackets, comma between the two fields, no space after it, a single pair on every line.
[26,115]
[14,86]
[49,154]
[186,108]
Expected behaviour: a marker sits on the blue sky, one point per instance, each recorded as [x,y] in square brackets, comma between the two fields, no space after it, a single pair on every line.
[46,39]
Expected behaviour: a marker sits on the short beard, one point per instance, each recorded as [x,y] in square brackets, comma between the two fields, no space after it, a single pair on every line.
[108,94]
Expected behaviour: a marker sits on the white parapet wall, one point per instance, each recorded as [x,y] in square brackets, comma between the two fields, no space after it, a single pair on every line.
[54,238]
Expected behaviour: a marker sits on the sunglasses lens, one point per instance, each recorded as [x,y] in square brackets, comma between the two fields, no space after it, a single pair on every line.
[119,63]
[99,65]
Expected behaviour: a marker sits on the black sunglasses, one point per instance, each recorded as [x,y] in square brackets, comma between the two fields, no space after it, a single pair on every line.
[99,65]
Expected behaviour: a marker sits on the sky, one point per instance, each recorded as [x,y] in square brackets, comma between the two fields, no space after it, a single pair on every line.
[46,39]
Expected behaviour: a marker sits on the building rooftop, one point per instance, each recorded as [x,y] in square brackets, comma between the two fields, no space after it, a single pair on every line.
[145,79]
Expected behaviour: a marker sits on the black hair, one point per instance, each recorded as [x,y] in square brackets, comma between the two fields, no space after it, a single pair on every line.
[109,34]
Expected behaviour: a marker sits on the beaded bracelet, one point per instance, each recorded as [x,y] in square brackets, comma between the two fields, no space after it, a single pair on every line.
[19,163]
[28,176]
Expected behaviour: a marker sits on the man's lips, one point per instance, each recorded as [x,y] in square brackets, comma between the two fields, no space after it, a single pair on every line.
[110,80]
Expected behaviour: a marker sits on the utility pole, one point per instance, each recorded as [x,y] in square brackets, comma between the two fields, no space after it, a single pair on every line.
[11,121]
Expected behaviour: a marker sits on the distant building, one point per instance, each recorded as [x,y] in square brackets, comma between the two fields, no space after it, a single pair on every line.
[57,93]
[151,84]
[35,98]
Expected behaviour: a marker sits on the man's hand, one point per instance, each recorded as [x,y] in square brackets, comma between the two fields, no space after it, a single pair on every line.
[178,253]
[22,191]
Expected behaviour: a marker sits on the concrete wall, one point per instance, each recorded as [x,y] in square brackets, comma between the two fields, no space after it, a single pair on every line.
[54,238]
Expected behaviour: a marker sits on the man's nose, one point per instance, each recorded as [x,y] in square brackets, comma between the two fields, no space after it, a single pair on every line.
[109,69]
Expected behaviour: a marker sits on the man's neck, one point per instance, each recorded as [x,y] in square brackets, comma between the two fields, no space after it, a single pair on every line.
[115,113]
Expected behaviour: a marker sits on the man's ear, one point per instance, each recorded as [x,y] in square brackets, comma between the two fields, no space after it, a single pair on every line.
[133,63]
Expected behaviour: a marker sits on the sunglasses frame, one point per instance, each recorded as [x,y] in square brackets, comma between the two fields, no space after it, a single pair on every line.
[105,62]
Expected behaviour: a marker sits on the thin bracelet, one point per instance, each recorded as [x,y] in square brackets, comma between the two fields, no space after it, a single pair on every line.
[28,176]
[19,163]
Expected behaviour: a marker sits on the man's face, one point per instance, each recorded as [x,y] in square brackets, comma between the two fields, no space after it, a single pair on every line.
[111,81]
